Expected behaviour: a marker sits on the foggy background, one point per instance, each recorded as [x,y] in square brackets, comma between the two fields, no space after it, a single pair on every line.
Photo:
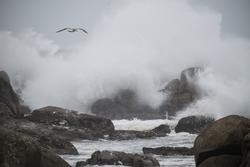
[131,44]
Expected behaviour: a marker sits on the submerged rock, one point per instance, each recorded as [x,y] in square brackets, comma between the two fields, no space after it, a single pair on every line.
[167,151]
[17,149]
[224,143]
[121,158]
[159,131]
[193,124]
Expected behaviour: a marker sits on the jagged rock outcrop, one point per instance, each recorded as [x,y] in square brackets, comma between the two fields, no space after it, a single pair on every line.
[121,158]
[20,150]
[12,118]
[224,143]
[125,105]
[181,92]
[9,102]
[193,124]
[168,151]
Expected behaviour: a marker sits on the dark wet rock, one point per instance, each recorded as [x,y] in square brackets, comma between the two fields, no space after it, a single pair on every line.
[44,135]
[193,124]
[8,98]
[102,125]
[17,149]
[57,144]
[5,112]
[181,92]
[125,105]
[222,161]
[81,163]
[54,115]
[121,158]
[246,151]
[64,117]
[159,131]
[131,134]
[223,143]
[168,151]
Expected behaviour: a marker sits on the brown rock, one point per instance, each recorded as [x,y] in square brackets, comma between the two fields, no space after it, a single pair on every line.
[223,137]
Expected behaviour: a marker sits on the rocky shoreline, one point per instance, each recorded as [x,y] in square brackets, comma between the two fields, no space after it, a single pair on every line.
[29,139]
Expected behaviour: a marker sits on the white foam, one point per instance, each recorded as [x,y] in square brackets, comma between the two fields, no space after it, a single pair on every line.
[141,125]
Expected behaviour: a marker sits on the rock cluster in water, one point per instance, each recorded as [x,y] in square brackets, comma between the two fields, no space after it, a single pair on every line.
[34,139]
[179,93]
[120,158]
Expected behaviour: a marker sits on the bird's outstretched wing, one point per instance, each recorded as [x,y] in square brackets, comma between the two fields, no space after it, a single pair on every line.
[62,30]
[83,30]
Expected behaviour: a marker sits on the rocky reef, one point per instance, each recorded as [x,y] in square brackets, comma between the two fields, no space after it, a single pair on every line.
[178,93]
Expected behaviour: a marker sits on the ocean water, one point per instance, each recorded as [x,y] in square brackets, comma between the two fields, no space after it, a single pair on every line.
[87,147]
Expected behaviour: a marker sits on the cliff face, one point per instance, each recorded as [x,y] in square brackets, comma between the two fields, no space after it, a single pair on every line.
[8,98]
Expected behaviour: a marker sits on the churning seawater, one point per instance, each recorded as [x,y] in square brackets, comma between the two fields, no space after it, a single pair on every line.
[87,147]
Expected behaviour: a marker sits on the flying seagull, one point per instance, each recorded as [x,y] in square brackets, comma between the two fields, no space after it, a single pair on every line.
[72,30]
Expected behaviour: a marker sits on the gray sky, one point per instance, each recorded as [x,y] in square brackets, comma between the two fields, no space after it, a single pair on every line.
[235,15]
[47,16]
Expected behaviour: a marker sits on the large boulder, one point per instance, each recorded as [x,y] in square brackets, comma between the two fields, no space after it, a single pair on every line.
[45,135]
[125,105]
[64,117]
[193,124]
[17,149]
[168,151]
[223,143]
[8,98]
[121,158]
[181,92]
[246,151]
